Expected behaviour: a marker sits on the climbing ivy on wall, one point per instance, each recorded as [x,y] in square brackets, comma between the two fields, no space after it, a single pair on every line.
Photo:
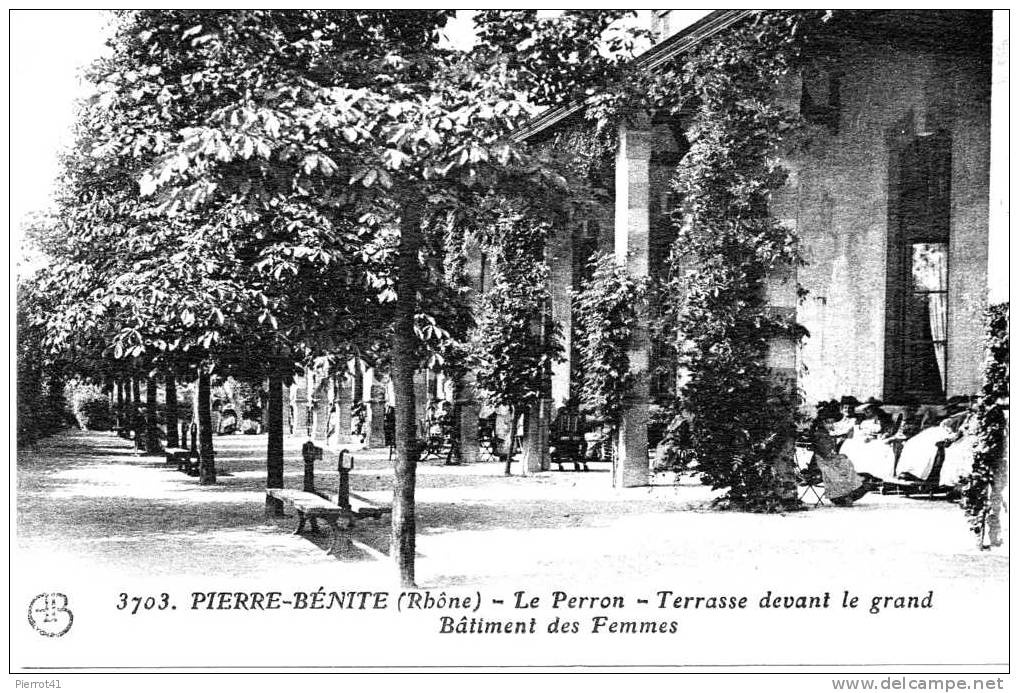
[608,309]
[982,490]
[728,244]
[591,152]
[514,344]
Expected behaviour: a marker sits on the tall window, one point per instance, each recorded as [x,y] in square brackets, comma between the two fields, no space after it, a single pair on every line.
[926,319]
[917,356]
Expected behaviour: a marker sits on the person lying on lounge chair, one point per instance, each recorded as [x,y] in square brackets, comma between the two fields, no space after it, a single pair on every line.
[958,463]
[920,452]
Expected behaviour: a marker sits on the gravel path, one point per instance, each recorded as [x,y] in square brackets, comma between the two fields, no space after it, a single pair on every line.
[94,519]
[90,495]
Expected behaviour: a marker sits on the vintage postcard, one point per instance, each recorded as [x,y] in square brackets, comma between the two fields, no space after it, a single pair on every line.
[511,341]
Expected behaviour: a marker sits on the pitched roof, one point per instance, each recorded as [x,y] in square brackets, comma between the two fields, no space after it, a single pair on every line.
[660,53]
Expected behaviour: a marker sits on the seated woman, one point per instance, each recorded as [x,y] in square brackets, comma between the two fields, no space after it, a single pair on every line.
[842,484]
[870,448]
[842,417]
[914,418]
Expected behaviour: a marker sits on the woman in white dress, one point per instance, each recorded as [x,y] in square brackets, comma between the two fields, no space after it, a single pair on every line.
[920,453]
[958,462]
[870,448]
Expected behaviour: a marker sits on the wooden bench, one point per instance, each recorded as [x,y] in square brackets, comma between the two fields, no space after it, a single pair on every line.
[366,508]
[181,457]
[310,506]
[186,460]
[313,505]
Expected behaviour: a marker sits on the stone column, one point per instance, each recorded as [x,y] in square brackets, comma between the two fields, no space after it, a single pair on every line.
[535,455]
[323,398]
[466,400]
[780,294]
[999,521]
[299,398]
[997,236]
[632,232]
[376,400]
[344,390]
[560,258]
[421,393]
[288,410]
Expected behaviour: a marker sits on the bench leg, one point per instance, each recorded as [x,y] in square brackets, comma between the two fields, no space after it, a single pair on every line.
[300,522]
[339,537]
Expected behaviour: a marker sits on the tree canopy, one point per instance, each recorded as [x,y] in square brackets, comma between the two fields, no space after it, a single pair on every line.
[255,187]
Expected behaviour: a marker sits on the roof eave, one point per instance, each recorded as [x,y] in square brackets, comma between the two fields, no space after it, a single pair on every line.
[657,55]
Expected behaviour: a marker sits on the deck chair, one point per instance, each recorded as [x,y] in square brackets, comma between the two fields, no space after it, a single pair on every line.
[435,440]
[566,439]
[811,477]
[488,442]
[930,485]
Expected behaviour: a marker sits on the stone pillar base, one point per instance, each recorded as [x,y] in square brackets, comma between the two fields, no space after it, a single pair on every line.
[631,466]
[535,445]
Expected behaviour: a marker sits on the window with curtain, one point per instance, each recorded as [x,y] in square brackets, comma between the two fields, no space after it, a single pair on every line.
[917,349]
[926,318]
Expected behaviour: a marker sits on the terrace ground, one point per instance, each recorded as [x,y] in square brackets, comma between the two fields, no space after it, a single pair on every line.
[87,502]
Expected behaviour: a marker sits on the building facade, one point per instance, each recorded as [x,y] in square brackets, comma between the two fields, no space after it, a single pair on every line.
[891,202]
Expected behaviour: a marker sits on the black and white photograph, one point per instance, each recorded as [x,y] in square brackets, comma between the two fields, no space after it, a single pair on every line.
[579,341]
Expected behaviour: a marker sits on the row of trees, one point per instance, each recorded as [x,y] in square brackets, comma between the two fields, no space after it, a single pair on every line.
[252,190]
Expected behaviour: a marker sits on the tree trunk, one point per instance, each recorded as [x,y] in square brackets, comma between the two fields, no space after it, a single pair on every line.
[172,434]
[206,455]
[511,438]
[274,449]
[152,444]
[404,364]
[137,417]
[120,406]
[127,416]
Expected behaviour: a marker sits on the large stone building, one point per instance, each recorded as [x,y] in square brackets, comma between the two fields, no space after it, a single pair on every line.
[892,204]
[898,203]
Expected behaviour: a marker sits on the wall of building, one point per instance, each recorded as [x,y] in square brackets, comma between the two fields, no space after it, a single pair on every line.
[838,198]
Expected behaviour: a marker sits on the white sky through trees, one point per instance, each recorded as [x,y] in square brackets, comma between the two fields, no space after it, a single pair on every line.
[48,50]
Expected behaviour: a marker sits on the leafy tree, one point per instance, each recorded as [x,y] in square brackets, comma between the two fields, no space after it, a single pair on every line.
[40,377]
[359,127]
